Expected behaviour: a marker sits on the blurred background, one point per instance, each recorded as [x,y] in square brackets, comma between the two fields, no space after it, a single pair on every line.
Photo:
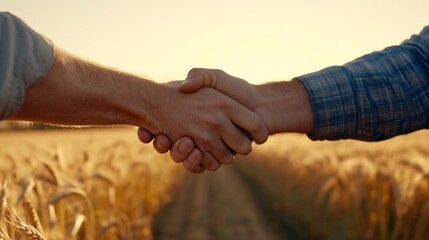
[259,41]
[105,184]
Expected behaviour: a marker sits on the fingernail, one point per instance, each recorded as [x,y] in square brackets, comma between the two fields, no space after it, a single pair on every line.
[184,147]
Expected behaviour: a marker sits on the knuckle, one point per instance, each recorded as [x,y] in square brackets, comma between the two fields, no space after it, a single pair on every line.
[212,122]
[194,71]
[255,123]
[223,104]
[215,124]
[205,141]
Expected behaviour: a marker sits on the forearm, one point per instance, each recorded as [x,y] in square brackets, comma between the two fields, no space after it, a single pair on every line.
[285,107]
[77,92]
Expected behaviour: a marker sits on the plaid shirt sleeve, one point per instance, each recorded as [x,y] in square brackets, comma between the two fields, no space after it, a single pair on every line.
[375,97]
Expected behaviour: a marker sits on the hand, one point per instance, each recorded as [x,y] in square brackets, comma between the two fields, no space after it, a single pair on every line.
[211,119]
[283,106]
[184,149]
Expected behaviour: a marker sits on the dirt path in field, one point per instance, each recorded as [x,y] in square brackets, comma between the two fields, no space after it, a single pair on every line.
[213,206]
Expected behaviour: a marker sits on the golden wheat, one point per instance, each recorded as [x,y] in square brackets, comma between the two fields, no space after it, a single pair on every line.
[375,190]
[34,217]
[73,186]
[18,222]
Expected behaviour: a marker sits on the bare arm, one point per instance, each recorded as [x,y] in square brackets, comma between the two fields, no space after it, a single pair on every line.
[77,92]
[39,82]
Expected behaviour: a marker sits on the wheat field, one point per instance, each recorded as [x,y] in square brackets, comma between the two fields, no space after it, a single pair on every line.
[60,185]
[344,189]
[104,184]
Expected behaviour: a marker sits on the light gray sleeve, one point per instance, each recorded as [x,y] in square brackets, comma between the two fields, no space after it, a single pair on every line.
[25,56]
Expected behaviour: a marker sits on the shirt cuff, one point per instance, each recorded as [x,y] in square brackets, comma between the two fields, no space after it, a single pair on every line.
[332,99]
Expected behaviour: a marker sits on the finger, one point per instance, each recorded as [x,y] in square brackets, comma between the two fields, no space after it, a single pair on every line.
[219,80]
[249,121]
[213,148]
[181,149]
[209,162]
[144,135]
[236,140]
[193,162]
[161,143]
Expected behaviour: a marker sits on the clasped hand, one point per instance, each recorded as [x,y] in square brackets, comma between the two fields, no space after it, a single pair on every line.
[212,120]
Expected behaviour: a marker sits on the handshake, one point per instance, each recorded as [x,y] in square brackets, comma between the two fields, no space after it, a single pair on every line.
[204,121]
[212,116]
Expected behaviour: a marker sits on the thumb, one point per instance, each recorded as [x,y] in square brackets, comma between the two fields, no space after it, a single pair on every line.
[236,88]
[198,78]
[190,85]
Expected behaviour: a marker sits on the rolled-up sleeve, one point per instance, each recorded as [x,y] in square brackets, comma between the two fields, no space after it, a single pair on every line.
[375,97]
[25,56]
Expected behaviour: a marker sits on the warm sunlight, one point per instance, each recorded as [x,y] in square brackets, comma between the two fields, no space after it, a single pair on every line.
[256,40]
[273,161]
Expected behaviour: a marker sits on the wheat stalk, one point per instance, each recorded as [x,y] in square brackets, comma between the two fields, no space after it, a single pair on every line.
[54,173]
[26,187]
[17,221]
[34,217]
[76,225]
[3,232]
[106,227]
[3,201]
[73,191]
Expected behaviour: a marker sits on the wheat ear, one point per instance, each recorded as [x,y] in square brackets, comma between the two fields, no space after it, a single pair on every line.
[34,217]
[17,221]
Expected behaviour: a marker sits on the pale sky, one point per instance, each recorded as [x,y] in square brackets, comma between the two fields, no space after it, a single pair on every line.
[259,41]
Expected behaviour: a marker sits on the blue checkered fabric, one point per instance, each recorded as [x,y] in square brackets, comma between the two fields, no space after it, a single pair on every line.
[375,97]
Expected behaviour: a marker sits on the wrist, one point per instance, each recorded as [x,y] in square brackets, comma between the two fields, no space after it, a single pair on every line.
[140,102]
[285,107]
[116,97]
